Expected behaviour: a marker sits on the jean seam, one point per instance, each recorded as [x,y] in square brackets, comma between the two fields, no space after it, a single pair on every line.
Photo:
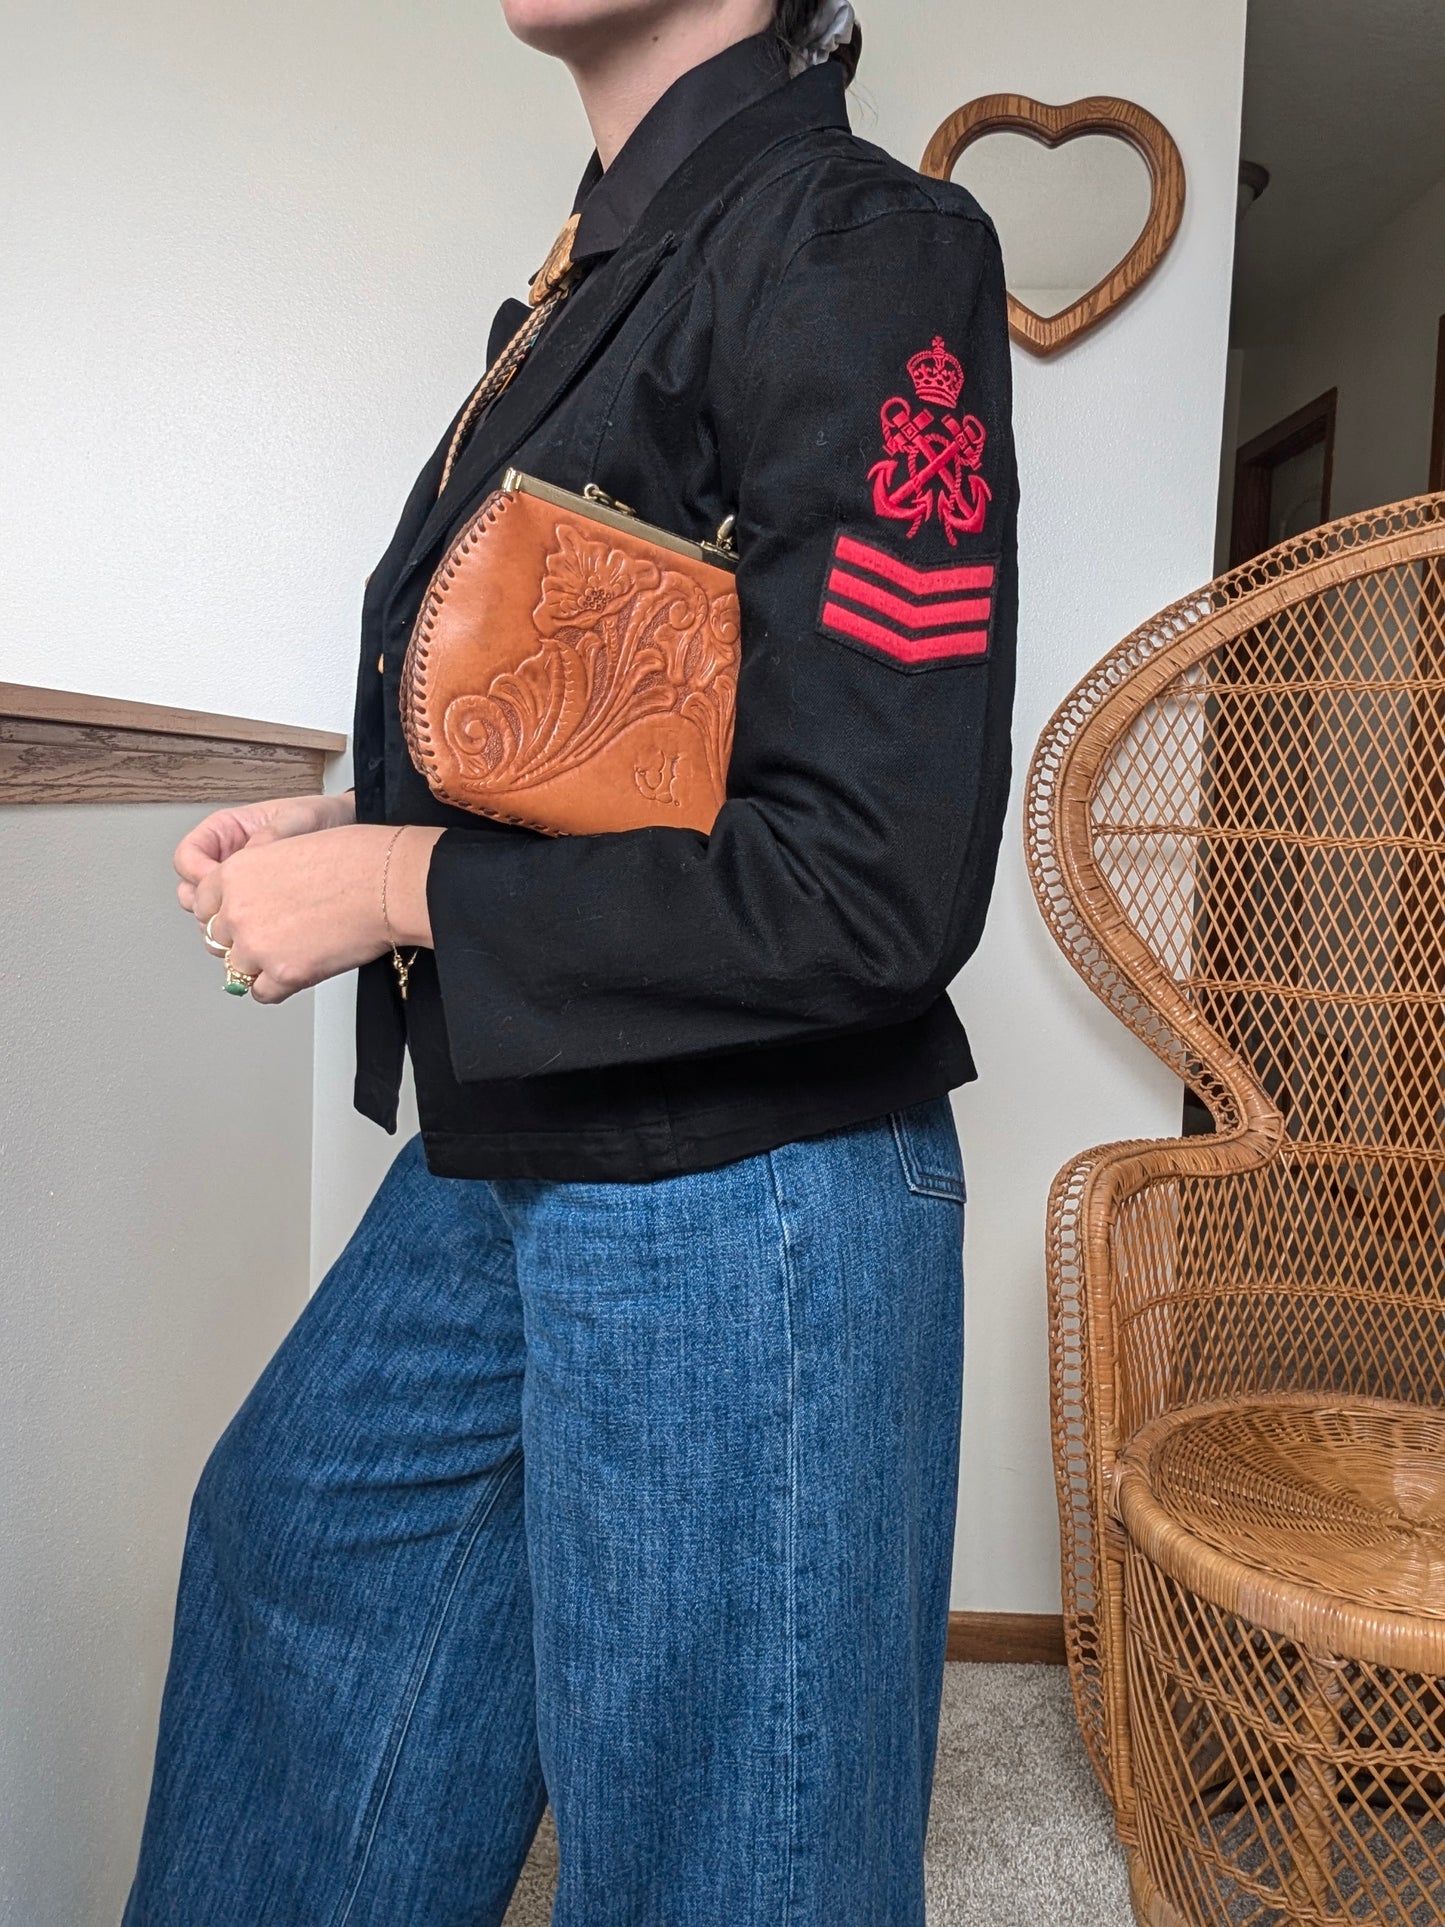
[923,1184]
[401,1725]
[785,1246]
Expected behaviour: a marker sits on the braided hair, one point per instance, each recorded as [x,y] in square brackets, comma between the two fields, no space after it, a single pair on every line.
[792,20]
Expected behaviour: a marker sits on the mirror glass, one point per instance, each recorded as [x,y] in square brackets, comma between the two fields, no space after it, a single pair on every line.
[1066,215]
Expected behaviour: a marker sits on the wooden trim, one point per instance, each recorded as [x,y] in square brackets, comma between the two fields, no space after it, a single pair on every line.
[1102,114]
[1007,1639]
[58,746]
[1437,434]
[1295,433]
[1258,458]
[112,712]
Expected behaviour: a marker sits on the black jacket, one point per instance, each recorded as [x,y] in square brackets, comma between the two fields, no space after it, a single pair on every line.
[793,327]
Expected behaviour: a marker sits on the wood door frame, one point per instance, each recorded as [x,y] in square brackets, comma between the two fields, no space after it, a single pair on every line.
[1437,437]
[1256,461]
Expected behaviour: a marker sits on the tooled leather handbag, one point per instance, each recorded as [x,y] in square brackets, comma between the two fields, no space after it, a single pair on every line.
[573,669]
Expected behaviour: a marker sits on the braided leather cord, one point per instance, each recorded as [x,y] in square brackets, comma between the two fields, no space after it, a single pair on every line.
[548,291]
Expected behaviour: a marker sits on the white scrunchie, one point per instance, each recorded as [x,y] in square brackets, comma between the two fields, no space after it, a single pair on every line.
[832,28]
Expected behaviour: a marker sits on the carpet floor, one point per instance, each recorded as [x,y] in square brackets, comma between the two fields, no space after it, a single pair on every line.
[1020,1834]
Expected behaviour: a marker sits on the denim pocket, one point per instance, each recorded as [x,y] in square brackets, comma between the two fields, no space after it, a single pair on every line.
[927,1141]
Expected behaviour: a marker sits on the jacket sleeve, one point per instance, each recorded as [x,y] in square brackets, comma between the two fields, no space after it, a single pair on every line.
[845,879]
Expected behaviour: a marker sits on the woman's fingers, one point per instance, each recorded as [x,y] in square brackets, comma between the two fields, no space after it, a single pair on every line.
[214,838]
[206,896]
[191,867]
[194,855]
[266,990]
[221,834]
[299,909]
[208,893]
[224,832]
[294,816]
[236,963]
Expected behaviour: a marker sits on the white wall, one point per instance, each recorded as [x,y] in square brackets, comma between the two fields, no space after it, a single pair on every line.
[248,280]
[1372,331]
[1119,448]
[252,274]
[154,1179]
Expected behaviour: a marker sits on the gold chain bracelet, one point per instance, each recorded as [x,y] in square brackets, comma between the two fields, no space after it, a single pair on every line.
[401,965]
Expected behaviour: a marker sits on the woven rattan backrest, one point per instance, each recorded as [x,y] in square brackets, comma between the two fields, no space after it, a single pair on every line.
[1237,834]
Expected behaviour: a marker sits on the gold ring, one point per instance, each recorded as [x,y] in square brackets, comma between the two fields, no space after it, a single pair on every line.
[238,982]
[216,948]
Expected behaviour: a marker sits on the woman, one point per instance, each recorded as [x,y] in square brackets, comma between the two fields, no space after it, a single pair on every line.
[613,1463]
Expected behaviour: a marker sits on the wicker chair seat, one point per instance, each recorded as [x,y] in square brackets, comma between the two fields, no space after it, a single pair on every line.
[1285,1587]
[1320,1518]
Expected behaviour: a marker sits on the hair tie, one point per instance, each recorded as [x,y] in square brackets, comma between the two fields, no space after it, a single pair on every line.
[832,27]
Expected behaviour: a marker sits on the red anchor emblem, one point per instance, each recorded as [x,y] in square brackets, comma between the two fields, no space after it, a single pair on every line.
[942,457]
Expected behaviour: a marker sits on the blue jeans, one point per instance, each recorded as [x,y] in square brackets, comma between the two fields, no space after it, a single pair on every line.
[637,1498]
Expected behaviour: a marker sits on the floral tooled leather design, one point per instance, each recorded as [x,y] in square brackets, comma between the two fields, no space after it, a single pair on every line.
[571,676]
[624,640]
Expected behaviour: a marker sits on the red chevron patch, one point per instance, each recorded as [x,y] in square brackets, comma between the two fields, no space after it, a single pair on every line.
[919,618]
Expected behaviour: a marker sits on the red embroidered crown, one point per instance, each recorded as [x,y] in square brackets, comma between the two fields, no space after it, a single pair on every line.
[937,375]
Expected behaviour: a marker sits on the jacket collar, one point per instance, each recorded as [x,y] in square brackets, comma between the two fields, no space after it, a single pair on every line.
[816,98]
[695,105]
[813,99]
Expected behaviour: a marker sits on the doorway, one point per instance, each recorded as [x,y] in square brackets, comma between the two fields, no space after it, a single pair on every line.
[1337,341]
[1283,478]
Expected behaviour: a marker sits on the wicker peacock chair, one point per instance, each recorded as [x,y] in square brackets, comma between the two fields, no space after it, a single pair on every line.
[1236,832]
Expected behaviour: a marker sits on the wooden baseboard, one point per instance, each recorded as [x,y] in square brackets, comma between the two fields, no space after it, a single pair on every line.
[1010,1639]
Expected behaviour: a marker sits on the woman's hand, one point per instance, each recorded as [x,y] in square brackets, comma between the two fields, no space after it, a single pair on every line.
[297,909]
[223,832]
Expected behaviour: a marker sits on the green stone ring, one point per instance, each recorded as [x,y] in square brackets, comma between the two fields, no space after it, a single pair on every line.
[237,982]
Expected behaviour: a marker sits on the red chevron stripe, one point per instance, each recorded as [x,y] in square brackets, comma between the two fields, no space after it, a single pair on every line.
[913,615]
[916,581]
[961,642]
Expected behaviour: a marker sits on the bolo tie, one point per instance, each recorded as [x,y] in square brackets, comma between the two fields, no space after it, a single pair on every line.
[550,287]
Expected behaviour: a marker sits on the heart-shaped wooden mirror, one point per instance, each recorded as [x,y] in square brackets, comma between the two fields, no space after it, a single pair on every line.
[1099,115]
